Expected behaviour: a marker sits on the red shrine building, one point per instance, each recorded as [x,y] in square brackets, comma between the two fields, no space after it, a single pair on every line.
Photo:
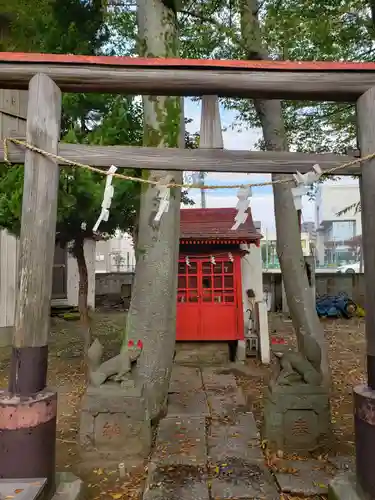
[219,269]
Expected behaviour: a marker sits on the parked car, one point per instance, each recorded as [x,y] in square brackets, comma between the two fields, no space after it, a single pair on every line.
[350,268]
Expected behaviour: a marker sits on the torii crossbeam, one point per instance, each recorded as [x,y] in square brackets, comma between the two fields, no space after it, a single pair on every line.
[328,81]
[313,80]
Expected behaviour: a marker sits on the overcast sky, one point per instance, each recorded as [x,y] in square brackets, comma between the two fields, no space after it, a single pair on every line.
[262,198]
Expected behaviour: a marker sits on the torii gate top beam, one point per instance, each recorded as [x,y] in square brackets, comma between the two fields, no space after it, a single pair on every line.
[317,81]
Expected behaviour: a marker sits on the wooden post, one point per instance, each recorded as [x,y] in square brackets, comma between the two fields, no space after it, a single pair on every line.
[364,395]
[28,416]
[13,113]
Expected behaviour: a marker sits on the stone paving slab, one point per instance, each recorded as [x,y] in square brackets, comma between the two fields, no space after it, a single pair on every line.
[239,479]
[176,483]
[185,379]
[343,463]
[226,403]
[181,441]
[247,426]
[187,404]
[214,380]
[234,441]
[304,477]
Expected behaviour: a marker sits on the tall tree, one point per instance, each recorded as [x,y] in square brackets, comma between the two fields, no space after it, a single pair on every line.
[299,30]
[289,250]
[81,195]
[152,313]
[80,27]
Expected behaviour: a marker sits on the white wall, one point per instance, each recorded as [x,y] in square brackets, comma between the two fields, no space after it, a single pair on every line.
[270,235]
[122,244]
[332,198]
[9,248]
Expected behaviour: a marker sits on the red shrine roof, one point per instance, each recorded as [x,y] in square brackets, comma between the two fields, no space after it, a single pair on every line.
[215,224]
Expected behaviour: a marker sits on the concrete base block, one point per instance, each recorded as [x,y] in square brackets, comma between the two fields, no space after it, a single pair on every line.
[69,487]
[114,424]
[344,487]
[296,418]
[241,351]
[23,489]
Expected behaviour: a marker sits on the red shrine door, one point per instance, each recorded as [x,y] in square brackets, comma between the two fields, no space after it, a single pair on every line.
[209,299]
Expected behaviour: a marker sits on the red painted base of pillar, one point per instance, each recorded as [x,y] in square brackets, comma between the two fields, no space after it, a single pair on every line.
[28,437]
[364,424]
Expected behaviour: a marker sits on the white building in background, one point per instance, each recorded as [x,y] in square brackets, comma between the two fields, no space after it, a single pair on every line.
[335,232]
[115,255]
[268,247]
[65,280]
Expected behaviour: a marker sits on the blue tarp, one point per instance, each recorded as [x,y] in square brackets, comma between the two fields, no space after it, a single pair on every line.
[335,306]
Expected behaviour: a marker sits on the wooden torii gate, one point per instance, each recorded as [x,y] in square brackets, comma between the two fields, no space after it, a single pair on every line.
[28,409]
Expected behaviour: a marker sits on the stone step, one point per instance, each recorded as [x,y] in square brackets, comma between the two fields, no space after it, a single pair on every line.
[187,404]
[181,441]
[304,477]
[214,380]
[236,461]
[226,402]
[176,483]
[185,379]
[202,353]
[242,479]
[239,440]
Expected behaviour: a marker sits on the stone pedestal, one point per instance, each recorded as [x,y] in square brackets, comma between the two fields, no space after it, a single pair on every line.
[364,425]
[296,418]
[114,424]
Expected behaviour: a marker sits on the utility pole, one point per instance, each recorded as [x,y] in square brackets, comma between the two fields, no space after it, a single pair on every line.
[203,191]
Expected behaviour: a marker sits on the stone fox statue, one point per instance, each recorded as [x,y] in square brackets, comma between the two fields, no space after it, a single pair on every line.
[117,368]
[301,367]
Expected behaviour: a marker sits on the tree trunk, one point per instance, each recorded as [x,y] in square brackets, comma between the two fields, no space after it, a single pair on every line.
[152,313]
[79,254]
[299,297]
[135,234]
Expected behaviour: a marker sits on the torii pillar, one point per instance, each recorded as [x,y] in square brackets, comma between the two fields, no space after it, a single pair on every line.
[364,395]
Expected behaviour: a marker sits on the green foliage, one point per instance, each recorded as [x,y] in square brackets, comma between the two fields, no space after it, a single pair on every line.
[295,30]
[53,26]
[75,26]
[11,186]
[80,190]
